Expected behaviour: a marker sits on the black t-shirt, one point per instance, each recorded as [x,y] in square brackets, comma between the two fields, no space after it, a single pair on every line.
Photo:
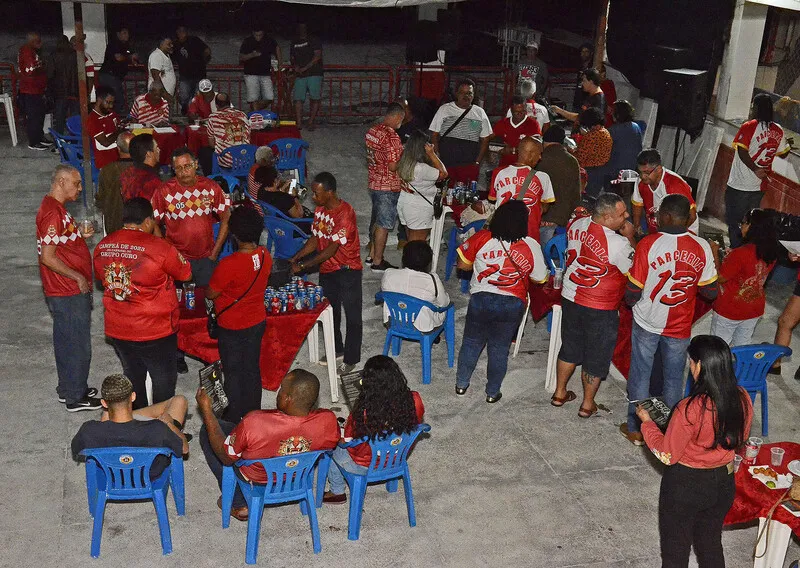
[190,57]
[302,52]
[110,65]
[136,433]
[258,65]
[598,100]
[278,199]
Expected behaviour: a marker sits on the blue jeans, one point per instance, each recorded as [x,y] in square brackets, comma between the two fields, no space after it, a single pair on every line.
[72,343]
[384,208]
[643,349]
[213,461]
[342,458]
[492,322]
[186,90]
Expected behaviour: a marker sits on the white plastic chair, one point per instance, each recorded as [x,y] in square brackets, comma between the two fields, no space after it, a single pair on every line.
[5,99]
[521,329]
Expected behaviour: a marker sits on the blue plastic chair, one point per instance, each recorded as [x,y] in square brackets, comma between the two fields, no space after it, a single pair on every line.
[404,309]
[291,155]
[232,182]
[123,474]
[227,248]
[389,463]
[555,249]
[243,156]
[751,365]
[285,237]
[61,139]
[452,246]
[272,211]
[74,125]
[72,154]
[290,478]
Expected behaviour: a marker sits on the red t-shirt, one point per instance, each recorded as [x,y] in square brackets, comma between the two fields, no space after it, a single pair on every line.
[187,214]
[669,268]
[362,453]
[138,272]
[338,226]
[741,296]
[670,184]
[139,181]
[690,434]
[512,133]
[98,124]
[232,277]
[32,75]
[598,260]
[55,226]
[507,184]
[383,147]
[270,433]
[200,107]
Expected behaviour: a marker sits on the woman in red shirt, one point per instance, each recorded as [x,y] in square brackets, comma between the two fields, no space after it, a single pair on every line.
[237,288]
[704,431]
[385,405]
[741,300]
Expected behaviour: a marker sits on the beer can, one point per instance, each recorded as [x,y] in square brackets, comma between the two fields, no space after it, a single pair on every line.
[290,305]
[190,299]
[275,305]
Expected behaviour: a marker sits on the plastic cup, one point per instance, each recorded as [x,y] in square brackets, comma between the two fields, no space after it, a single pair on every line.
[87,225]
[558,279]
[737,461]
[776,455]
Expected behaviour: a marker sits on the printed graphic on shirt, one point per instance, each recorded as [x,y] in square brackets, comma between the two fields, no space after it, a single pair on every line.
[69,232]
[188,203]
[294,445]
[117,280]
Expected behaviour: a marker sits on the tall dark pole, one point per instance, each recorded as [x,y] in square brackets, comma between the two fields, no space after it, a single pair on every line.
[600,35]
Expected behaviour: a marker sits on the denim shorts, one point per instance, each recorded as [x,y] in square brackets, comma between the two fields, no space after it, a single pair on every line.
[384,208]
[311,84]
[258,88]
[588,337]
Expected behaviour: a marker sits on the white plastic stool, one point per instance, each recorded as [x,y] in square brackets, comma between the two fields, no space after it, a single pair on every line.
[5,98]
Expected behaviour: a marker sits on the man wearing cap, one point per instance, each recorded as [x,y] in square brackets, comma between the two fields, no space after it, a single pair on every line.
[565,176]
[203,103]
[530,66]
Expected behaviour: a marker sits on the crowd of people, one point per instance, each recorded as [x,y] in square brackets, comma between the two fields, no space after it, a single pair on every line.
[161,233]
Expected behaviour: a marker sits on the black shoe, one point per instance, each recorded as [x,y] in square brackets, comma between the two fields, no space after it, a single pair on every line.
[461,391]
[797,374]
[776,371]
[183,368]
[39,147]
[46,142]
[90,393]
[382,266]
[86,403]
[495,398]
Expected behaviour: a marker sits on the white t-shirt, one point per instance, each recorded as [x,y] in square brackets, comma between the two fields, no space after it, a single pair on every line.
[160,61]
[537,112]
[419,285]
[424,181]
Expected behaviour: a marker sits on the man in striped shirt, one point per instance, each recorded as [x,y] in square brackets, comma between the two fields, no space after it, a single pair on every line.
[227,127]
[151,108]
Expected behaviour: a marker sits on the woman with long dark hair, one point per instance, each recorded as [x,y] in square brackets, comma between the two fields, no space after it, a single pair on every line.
[385,406]
[420,168]
[704,432]
[741,300]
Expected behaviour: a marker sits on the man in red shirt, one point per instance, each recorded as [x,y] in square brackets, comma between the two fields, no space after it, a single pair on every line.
[65,266]
[32,85]
[141,179]
[384,149]
[294,427]
[138,272]
[151,108]
[104,126]
[203,104]
[334,240]
[513,129]
[599,255]
[655,183]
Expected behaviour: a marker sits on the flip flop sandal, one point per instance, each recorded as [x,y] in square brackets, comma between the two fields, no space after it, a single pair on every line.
[558,402]
[587,413]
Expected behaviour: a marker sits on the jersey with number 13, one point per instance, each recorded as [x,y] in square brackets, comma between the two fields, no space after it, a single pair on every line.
[669,269]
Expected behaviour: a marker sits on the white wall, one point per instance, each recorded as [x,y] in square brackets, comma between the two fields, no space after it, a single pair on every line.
[94,26]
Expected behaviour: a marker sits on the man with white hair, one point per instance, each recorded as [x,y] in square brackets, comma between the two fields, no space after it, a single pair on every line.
[527,90]
[161,68]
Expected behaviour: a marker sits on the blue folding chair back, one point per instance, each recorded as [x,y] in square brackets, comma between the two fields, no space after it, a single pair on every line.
[403,311]
[227,248]
[72,154]
[291,155]
[243,156]
[556,250]
[286,237]
[272,211]
[74,125]
[228,183]
[123,474]
[452,246]
[290,478]
[389,464]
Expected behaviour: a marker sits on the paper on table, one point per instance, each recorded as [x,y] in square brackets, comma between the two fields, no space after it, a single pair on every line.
[170,130]
[792,246]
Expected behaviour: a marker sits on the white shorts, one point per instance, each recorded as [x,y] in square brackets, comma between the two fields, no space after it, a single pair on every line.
[414,212]
[258,88]
[734,332]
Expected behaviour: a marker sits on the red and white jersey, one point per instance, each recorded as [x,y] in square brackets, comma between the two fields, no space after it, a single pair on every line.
[151,114]
[383,148]
[670,184]
[55,226]
[228,127]
[763,141]
[507,184]
[187,212]
[598,261]
[98,124]
[338,225]
[535,111]
[669,268]
[495,272]
[512,133]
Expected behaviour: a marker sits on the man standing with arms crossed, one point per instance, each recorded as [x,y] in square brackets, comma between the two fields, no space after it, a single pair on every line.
[65,266]
[669,269]
[599,255]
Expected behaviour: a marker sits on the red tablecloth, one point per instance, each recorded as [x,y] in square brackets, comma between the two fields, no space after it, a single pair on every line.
[197,138]
[282,340]
[754,499]
[543,298]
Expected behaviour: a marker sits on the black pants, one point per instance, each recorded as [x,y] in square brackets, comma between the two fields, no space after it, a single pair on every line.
[205,157]
[343,290]
[691,506]
[213,461]
[33,110]
[240,352]
[156,357]
[737,203]
[63,108]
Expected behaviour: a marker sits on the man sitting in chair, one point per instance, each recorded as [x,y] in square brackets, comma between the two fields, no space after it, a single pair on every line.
[156,426]
[294,427]
[226,127]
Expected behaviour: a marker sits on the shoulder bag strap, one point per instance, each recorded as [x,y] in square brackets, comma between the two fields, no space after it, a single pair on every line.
[435,287]
[459,119]
[526,185]
[229,306]
[521,272]
[408,183]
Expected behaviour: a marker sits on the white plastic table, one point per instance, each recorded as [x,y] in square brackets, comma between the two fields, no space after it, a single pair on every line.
[775,546]
[436,237]
[5,99]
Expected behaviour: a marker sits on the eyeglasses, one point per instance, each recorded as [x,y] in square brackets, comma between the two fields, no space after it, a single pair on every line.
[189,166]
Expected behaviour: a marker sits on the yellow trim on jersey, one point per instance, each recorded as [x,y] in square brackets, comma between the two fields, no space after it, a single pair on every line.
[707,282]
[489,198]
[639,203]
[692,206]
[739,145]
[788,149]
[548,200]
[542,281]
[636,282]
[461,255]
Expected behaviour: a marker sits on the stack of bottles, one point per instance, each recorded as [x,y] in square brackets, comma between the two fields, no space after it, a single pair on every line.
[296,296]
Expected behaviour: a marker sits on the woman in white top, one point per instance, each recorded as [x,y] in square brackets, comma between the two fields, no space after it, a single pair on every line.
[420,168]
[415,280]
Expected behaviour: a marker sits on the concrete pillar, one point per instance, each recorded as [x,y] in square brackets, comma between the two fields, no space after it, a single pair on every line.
[740,63]
[94,26]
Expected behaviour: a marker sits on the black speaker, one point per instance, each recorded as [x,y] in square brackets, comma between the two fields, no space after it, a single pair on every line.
[422,39]
[662,57]
[684,100]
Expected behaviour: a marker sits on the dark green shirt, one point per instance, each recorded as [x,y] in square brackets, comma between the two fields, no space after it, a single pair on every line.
[565,175]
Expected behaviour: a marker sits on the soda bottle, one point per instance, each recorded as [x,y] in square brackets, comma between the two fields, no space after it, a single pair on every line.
[275,305]
[290,306]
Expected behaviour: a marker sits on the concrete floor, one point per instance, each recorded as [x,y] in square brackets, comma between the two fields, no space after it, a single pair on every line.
[519,483]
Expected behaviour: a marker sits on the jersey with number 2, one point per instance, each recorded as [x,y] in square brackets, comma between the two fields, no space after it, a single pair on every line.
[669,269]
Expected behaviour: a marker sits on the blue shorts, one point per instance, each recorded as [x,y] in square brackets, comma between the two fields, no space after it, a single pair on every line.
[384,208]
[311,84]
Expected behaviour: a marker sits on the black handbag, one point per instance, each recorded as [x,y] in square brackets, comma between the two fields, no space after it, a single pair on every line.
[212,323]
